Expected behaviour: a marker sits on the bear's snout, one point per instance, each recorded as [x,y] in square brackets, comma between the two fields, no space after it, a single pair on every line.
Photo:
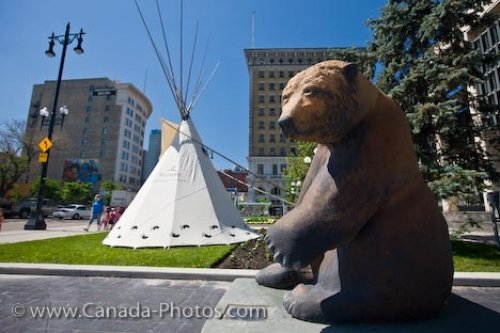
[287,126]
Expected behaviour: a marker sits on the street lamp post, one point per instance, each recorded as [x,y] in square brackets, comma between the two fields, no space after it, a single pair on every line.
[37,218]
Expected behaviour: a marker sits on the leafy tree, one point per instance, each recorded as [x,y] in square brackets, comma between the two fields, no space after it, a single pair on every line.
[427,66]
[52,188]
[13,164]
[108,187]
[297,168]
[76,192]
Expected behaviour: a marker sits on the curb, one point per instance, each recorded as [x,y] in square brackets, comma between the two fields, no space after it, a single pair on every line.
[174,273]
[465,279]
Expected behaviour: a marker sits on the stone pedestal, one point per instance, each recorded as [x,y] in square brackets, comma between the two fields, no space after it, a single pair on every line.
[469,310]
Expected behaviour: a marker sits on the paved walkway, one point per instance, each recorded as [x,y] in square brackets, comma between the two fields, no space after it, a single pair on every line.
[13,230]
[94,304]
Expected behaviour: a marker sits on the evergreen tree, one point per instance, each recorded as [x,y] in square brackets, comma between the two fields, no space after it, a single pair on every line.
[427,66]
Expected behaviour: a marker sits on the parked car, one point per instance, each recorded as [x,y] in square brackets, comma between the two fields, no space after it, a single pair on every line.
[8,207]
[23,209]
[74,212]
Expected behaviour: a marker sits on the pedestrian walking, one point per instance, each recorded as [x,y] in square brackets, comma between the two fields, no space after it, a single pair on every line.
[97,209]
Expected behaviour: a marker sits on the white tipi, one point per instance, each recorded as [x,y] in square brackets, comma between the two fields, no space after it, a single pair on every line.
[183,202]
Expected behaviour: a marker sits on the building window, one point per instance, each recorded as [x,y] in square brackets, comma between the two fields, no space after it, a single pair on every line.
[261,86]
[272,99]
[87,120]
[261,98]
[85,131]
[272,86]
[106,119]
[261,125]
[494,35]
[107,108]
[261,151]
[261,112]
[282,168]
[261,74]
[484,41]
[282,85]
[282,74]
[275,169]
[272,124]
[293,151]
[89,108]
[261,138]
[272,151]
[275,191]
[290,74]
[272,138]
[84,142]
[105,131]
[272,111]
[260,169]
[271,74]
[282,151]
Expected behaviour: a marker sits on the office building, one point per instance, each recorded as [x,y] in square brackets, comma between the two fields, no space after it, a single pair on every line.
[101,138]
[152,155]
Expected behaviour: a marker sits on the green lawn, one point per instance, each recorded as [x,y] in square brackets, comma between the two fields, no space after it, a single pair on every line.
[475,257]
[89,250]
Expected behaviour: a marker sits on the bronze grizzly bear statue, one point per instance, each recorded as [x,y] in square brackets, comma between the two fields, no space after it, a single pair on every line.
[366,230]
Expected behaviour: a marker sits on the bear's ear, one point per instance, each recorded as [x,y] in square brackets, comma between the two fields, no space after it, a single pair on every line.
[350,71]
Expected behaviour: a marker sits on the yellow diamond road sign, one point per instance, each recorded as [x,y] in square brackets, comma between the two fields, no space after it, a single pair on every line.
[45,145]
[42,158]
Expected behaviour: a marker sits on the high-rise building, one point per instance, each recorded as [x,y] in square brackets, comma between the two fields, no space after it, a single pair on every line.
[152,155]
[102,136]
[269,71]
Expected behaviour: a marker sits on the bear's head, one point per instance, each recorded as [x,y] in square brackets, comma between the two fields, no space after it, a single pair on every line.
[322,103]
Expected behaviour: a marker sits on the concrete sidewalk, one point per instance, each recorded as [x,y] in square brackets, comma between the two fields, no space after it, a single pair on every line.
[13,230]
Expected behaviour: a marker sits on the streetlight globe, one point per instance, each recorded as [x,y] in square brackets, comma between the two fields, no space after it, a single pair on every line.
[44,112]
[64,110]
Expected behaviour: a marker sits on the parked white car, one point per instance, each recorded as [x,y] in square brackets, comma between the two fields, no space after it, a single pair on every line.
[74,212]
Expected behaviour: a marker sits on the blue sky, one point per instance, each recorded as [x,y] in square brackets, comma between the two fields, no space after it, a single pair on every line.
[116,46]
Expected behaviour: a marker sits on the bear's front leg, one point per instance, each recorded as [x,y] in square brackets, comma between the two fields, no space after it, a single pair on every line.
[304,302]
[294,242]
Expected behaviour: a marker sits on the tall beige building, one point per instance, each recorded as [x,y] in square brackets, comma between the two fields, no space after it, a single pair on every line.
[102,136]
[269,70]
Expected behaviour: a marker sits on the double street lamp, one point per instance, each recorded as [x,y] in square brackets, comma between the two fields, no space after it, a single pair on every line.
[37,218]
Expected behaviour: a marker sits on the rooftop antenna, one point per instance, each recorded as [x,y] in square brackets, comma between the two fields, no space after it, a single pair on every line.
[253,29]
[145,81]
